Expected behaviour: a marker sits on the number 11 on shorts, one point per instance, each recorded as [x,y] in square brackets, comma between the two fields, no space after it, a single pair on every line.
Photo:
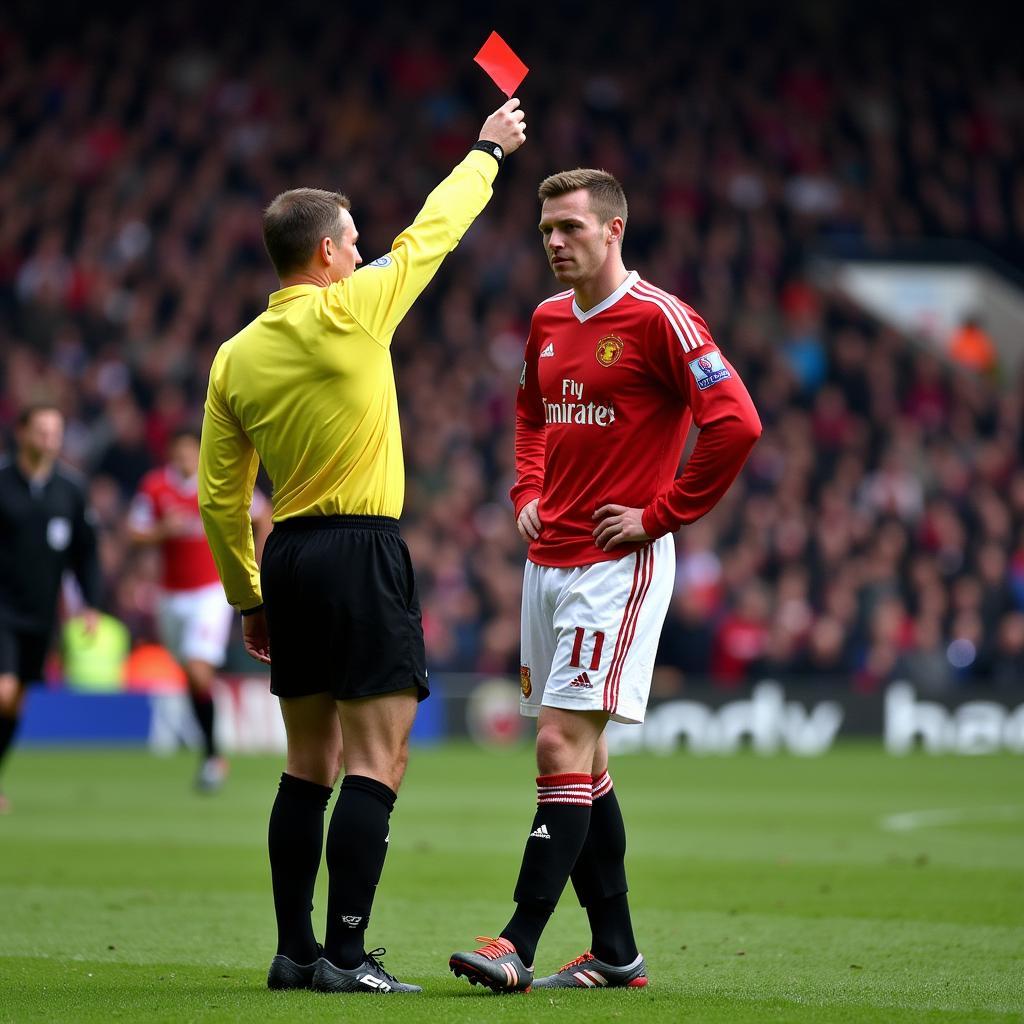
[577,649]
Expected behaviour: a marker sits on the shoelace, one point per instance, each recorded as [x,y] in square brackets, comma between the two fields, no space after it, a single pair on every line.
[581,959]
[495,948]
[372,957]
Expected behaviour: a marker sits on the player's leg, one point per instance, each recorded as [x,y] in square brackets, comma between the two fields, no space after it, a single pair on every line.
[205,628]
[296,833]
[599,878]
[376,736]
[599,875]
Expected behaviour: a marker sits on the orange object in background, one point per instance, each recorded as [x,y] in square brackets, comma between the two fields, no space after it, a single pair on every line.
[970,346]
[151,669]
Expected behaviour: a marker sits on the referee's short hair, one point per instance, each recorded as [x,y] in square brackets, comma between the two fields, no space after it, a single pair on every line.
[607,198]
[294,223]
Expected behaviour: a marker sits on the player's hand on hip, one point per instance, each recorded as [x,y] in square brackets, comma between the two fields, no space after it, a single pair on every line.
[256,636]
[619,524]
[506,126]
[528,521]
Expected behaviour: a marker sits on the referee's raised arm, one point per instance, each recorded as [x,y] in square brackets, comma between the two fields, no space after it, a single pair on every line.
[308,388]
[380,294]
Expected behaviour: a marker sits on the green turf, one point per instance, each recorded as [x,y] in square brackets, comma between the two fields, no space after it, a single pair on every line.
[764,889]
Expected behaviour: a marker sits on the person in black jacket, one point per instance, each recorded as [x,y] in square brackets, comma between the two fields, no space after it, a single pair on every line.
[44,529]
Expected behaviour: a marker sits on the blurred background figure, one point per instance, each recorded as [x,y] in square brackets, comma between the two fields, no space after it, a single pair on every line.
[193,616]
[44,529]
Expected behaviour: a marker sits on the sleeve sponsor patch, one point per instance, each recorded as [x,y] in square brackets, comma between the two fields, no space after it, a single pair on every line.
[381,261]
[709,370]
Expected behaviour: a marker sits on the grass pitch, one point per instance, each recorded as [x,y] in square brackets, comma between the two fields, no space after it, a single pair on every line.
[763,889]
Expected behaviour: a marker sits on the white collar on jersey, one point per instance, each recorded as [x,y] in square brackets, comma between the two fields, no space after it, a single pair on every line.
[631,279]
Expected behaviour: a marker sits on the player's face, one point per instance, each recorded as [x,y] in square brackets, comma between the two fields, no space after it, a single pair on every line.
[576,242]
[184,456]
[43,436]
[346,254]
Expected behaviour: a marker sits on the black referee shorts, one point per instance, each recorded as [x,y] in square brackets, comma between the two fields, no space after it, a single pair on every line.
[342,608]
[23,654]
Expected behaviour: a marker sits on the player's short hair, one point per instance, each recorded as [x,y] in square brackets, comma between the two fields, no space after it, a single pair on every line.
[26,414]
[190,430]
[294,223]
[607,198]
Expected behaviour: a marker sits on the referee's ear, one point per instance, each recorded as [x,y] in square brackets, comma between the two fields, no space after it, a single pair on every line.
[326,250]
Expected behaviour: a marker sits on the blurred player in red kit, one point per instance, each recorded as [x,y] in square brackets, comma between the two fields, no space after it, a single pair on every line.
[193,618]
[616,372]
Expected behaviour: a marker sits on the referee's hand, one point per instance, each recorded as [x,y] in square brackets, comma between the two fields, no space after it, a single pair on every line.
[506,126]
[256,636]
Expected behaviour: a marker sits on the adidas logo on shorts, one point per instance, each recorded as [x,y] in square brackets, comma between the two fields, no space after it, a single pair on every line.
[582,682]
[541,832]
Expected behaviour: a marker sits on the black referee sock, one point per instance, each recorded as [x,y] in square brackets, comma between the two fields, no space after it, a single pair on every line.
[8,728]
[357,843]
[599,879]
[559,831]
[295,840]
[202,708]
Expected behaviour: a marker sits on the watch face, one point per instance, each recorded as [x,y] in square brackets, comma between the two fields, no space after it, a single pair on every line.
[497,152]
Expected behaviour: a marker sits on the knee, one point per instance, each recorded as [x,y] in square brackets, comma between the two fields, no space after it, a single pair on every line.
[321,767]
[10,696]
[556,752]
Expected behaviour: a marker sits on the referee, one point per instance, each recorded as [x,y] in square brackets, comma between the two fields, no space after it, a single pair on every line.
[44,529]
[308,389]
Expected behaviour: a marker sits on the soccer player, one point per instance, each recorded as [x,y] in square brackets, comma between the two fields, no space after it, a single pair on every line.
[308,388]
[616,371]
[193,618]
[44,530]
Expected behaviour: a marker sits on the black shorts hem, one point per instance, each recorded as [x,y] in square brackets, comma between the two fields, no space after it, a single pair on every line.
[422,692]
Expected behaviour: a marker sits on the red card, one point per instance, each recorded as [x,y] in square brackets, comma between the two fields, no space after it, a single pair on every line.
[498,59]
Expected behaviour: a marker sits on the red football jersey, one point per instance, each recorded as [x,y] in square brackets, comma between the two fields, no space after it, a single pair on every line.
[605,402]
[187,560]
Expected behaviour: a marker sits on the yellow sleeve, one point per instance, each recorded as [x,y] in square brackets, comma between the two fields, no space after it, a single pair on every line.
[227,473]
[379,295]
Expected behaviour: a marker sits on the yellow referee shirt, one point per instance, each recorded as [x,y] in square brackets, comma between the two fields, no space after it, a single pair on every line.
[308,389]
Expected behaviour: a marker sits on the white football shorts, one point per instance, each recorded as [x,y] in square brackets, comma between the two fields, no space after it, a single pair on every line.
[195,625]
[590,633]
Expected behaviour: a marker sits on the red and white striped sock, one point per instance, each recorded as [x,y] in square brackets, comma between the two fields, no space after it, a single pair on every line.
[575,788]
[602,785]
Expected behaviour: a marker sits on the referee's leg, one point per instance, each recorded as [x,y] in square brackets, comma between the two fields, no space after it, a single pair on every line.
[296,833]
[376,737]
[12,696]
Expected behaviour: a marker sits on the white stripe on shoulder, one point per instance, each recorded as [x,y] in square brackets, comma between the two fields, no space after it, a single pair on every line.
[677,304]
[670,317]
[555,298]
[678,314]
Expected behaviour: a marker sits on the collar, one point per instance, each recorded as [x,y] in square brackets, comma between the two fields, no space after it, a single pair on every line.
[283,295]
[631,279]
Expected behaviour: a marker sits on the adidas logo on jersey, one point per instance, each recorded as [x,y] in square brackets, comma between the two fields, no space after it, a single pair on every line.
[541,832]
[582,682]
[549,350]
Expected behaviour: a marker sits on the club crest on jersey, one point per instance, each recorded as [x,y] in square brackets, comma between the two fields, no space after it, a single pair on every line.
[524,681]
[609,349]
[708,370]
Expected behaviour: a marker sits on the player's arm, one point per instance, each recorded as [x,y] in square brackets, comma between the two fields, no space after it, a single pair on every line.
[145,524]
[379,295]
[526,491]
[227,475]
[728,422]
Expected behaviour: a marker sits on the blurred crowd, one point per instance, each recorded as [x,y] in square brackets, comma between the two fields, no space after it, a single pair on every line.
[878,530]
